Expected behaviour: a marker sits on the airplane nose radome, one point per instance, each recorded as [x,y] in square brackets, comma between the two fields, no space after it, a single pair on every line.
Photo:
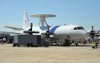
[83,32]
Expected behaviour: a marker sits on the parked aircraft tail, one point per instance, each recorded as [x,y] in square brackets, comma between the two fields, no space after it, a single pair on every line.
[26,22]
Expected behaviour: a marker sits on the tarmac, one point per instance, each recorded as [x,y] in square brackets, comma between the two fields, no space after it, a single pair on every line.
[52,54]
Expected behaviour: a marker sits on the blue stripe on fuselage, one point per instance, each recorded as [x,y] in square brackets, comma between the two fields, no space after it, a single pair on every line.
[53,29]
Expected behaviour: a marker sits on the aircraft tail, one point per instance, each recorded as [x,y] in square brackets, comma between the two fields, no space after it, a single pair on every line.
[26,22]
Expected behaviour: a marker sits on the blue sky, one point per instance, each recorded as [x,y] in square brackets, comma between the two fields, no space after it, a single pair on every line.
[81,12]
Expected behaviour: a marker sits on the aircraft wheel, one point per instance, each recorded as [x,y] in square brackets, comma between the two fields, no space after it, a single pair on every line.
[67,42]
[18,45]
[76,44]
[15,44]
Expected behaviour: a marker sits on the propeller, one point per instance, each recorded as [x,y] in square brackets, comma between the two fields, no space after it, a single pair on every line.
[98,31]
[92,33]
[30,32]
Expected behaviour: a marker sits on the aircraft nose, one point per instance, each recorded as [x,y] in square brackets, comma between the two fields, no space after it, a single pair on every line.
[83,34]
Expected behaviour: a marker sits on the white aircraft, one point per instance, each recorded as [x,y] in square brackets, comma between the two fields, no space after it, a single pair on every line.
[63,32]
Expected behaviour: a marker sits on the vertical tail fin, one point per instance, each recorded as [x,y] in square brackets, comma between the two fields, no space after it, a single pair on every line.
[26,22]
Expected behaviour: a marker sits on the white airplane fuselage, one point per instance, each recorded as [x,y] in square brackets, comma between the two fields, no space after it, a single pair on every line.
[68,32]
[71,32]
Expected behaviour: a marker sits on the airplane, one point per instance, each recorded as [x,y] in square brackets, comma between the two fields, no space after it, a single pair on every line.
[93,33]
[62,33]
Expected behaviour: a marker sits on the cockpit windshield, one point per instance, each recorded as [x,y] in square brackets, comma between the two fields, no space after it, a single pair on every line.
[78,28]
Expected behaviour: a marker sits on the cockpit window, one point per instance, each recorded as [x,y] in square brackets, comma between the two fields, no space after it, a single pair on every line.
[75,28]
[78,28]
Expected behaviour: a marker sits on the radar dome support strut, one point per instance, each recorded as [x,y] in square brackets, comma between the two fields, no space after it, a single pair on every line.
[42,21]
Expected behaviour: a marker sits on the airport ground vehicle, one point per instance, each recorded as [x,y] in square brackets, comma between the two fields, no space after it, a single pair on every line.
[27,40]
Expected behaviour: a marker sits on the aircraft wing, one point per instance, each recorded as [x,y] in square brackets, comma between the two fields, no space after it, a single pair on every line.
[9,32]
[14,28]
